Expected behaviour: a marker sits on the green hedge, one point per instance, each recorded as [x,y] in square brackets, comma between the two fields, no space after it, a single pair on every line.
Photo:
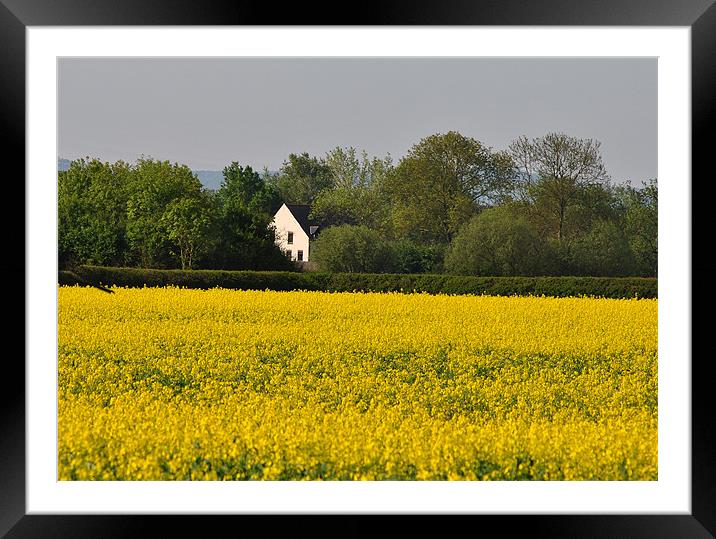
[609,287]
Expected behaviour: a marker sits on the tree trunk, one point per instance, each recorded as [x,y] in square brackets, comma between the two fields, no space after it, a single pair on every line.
[560,230]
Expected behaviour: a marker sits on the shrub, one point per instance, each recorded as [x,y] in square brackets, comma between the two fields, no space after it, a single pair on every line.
[609,287]
[350,248]
[498,241]
[603,251]
[411,257]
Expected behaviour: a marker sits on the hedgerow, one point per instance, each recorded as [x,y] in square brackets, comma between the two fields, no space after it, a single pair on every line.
[607,287]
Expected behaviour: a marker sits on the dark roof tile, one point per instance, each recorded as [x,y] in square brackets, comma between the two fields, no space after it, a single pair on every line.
[301,213]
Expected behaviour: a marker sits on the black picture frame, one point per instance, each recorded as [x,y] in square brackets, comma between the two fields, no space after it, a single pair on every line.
[699,15]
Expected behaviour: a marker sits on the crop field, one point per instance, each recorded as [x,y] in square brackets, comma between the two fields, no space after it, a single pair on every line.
[179,384]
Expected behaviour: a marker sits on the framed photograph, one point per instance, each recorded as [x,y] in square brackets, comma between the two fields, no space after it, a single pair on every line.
[445,224]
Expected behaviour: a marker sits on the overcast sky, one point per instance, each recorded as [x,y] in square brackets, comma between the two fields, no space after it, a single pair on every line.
[208,112]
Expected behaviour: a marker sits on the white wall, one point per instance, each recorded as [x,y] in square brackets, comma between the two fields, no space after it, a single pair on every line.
[284,222]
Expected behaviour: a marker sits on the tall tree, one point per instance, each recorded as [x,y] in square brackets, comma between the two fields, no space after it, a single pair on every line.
[553,171]
[91,203]
[602,252]
[499,241]
[187,222]
[443,181]
[350,170]
[244,209]
[302,178]
[153,186]
[349,248]
[641,219]
[355,198]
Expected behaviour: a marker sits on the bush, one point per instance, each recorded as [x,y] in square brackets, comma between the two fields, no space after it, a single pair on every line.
[603,251]
[350,248]
[499,241]
[615,287]
[411,257]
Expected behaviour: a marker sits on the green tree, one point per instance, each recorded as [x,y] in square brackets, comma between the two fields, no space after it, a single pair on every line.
[641,219]
[353,249]
[603,252]
[553,171]
[302,178]
[187,222]
[591,203]
[349,169]
[350,206]
[355,196]
[415,257]
[442,182]
[153,186]
[499,241]
[91,205]
[244,207]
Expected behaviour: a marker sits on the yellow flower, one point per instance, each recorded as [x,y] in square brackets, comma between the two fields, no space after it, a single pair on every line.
[176,384]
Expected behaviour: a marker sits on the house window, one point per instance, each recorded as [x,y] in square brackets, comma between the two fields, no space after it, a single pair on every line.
[300,255]
[289,253]
[290,238]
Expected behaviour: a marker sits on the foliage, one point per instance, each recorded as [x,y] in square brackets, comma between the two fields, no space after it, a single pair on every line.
[302,178]
[353,198]
[156,214]
[349,248]
[441,183]
[350,171]
[544,207]
[91,210]
[553,172]
[170,384]
[414,257]
[349,206]
[611,287]
[245,204]
[499,241]
[153,186]
[604,251]
[187,222]
[640,208]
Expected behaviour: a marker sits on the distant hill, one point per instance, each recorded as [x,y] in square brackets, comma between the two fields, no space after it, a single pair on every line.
[63,164]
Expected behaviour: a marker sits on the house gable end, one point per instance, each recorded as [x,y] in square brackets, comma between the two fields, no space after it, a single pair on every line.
[286,226]
[288,222]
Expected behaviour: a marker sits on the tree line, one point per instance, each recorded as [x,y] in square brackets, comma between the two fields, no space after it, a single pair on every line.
[543,206]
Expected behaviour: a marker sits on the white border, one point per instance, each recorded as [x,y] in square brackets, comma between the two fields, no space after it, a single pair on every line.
[670,494]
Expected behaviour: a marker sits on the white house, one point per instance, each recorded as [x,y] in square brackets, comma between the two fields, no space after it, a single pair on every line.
[294,231]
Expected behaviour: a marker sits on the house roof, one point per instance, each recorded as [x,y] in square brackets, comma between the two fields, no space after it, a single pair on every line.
[300,213]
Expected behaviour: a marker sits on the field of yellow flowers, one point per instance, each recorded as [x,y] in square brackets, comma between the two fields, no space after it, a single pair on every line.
[169,383]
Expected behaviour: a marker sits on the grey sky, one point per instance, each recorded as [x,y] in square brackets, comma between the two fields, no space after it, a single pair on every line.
[207,112]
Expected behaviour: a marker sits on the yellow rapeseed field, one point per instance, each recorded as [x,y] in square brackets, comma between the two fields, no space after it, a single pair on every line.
[168,383]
